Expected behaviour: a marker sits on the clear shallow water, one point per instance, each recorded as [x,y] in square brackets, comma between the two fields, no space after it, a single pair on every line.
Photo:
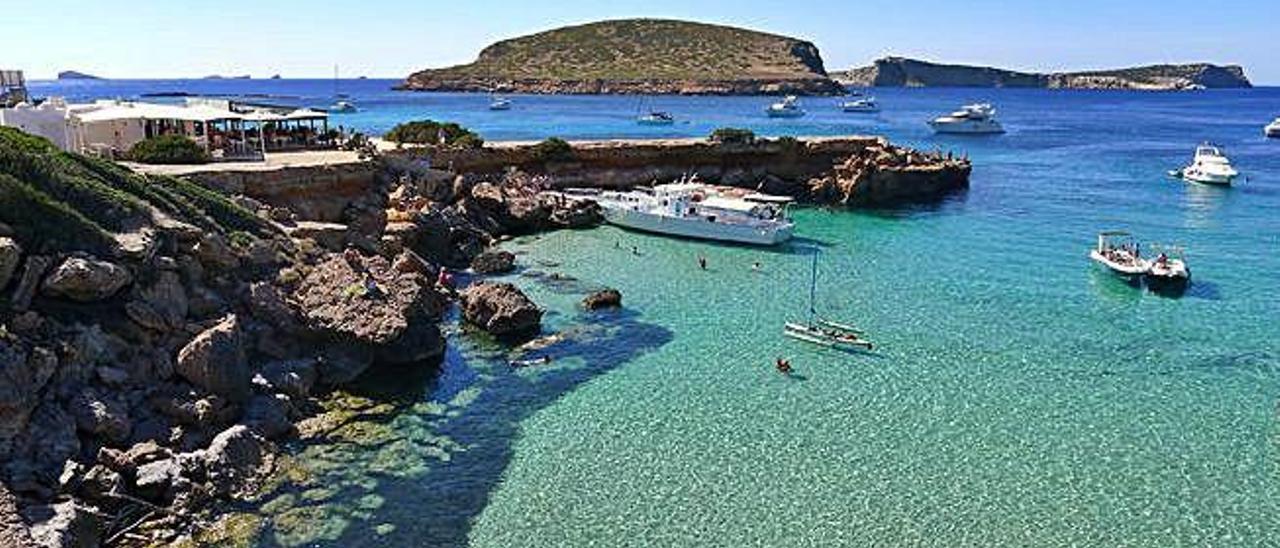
[1019,397]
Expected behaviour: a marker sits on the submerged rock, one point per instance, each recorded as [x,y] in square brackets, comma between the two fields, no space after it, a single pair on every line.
[605,298]
[501,309]
[86,280]
[215,361]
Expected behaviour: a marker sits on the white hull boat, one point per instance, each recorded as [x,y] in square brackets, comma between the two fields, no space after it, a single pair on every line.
[1210,166]
[866,105]
[500,103]
[1117,251]
[788,107]
[1169,268]
[820,331]
[1273,129]
[693,210]
[976,119]
[656,118]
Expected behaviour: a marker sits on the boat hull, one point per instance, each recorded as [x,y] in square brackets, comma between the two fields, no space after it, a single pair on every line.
[785,113]
[1123,270]
[1272,131]
[649,122]
[697,227]
[966,128]
[1208,178]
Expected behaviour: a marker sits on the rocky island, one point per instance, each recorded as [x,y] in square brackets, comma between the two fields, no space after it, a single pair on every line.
[639,56]
[73,75]
[903,72]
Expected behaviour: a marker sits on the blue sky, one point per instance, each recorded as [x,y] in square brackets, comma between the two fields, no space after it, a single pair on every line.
[391,38]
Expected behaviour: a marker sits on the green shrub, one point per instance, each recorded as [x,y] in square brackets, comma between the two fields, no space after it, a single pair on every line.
[44,224]
[168,149]
[553,149]
[20,141]
[430,132]
[733,135]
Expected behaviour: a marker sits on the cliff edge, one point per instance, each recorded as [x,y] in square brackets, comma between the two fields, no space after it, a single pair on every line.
[903,72]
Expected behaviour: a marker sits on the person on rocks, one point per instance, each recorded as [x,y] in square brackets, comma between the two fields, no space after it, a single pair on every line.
[445,279]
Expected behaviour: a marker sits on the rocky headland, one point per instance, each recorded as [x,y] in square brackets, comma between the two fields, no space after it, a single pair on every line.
[160,336]
[639,56]
[903,72]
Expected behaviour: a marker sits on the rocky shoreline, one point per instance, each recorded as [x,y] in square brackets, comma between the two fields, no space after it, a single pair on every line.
[903,72]
[146,379]
[548,86]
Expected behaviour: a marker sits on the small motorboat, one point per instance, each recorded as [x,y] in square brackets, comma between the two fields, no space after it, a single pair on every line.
[500,103]
[1119,252]
[343,107]
[820,331]
[1273,129]
[1169,268]
[977,119]
[863,105]
[1210,166]
[656,118]
[788,107]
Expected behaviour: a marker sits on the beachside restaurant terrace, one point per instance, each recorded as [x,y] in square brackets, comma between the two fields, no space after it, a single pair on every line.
[110,129]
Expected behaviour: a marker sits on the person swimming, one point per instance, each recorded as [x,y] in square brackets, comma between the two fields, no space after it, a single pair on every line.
[783,366]
[702,262]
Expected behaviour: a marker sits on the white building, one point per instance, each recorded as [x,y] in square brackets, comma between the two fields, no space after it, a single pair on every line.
[49,120]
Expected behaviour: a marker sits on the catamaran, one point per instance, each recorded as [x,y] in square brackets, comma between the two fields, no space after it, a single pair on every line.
[1210,166]
[1119,252]
[821,331]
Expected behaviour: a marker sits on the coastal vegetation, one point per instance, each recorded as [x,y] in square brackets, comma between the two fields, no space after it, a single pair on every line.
[168,149]
[640,56]
[733,135]
[431,132]
[903,72]
[553,149]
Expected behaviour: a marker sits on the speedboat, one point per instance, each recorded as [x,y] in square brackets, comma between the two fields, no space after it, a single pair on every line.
[500,103]
[1169,268]
[974,119]
[693,210]
[656,118]
[1118,251]
[866,104]
[1273,129]
[788,107]
[1210,166]
[343,107]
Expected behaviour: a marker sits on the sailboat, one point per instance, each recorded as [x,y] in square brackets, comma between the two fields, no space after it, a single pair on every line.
[821,331]
[341,104]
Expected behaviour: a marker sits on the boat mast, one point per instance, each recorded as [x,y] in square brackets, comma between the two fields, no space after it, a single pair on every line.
[813,286]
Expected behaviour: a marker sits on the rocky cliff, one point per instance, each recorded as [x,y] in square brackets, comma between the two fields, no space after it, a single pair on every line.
[633,56]
[902,72]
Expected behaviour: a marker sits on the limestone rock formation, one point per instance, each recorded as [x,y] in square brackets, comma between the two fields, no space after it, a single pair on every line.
[501,309]
[215,361]
[494,262]
[604,298]
[903,72]
[86,279]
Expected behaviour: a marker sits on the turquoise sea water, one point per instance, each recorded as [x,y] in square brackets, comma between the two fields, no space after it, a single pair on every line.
[1018,396]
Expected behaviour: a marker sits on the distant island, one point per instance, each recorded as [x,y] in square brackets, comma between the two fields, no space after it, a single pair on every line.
[634,56]
[73,75]
[220,77]
[903,72]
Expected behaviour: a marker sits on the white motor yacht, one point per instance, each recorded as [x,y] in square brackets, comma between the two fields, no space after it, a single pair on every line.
[865,104]
[656,118]
[1273,129]
[788,107]
[694,210]
[970,119]
[500,103]
[1118,251]
[1210,166]
[344,107]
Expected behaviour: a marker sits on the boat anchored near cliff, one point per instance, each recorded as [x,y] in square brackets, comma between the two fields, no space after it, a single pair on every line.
[693,210]
[788,107]
[1210,166]
[976,119]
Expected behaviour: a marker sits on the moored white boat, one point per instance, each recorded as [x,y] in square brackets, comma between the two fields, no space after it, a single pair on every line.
[1118,251]
[693,210]
[343,107]
[865,104]
[500,103]
[976,119]
[656,118]
[788,107]
[1273,129]
[1169,268]
[1210,166]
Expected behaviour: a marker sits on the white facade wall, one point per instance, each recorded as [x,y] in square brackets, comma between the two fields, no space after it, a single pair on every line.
[47,120]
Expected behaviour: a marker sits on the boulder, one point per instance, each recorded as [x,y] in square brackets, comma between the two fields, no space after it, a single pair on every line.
[501,309]
[32,273]
[268,416]
[101,416]
[162,306]
[236,459]
[86,280]
[22,375]
[605,298]
[14,532]
[64,525]
[10,254]
[215,254]
[494,262]
[215,361]
[293,377]
[155,480]
[99,482]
